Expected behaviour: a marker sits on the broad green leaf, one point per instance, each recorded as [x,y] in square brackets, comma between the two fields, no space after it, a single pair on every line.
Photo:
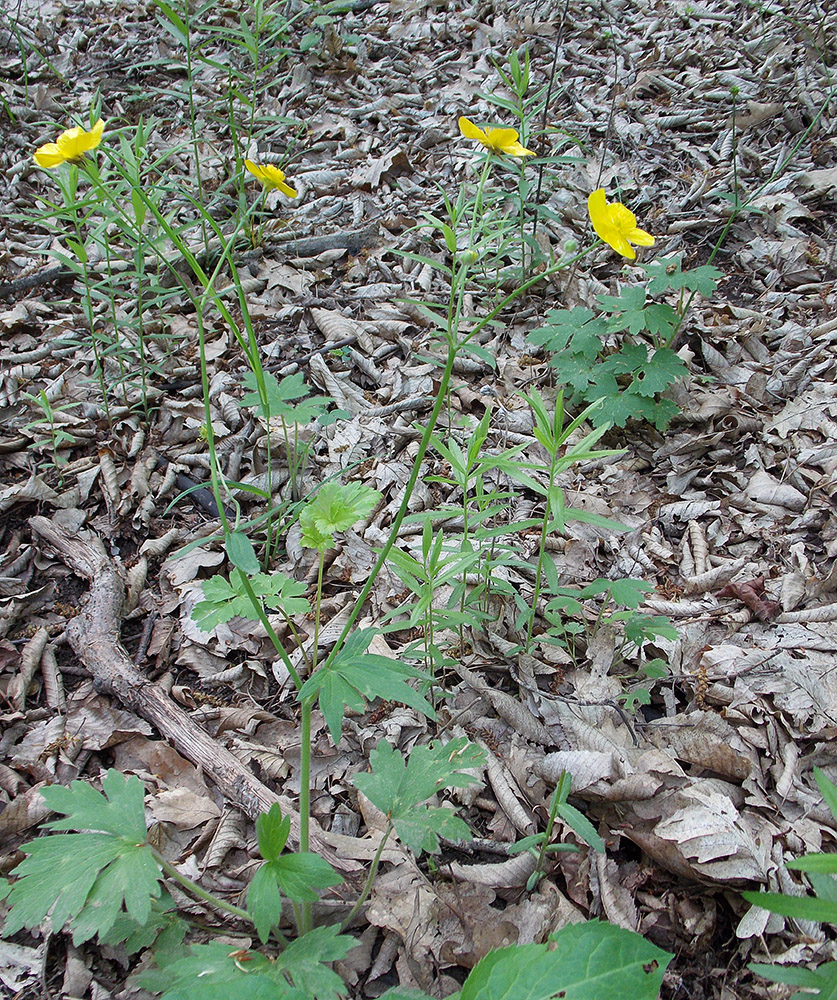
[121,813]
[227,598]
[219,971]
[590,961]
[628,309]
[663,368]
[666,275]
[84,878]
[399,788]
[336,507]
[280,397]
[628,592]
[241,553]
[355,675]
[579,327]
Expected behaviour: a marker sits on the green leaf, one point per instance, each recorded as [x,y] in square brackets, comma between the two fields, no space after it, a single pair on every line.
[666,275]
[791,975]
[628,309]
[663,368]
[227,598]
[86,878]
[241,553]
[815,863]
[272,831]
[581,825]
[122,813]
[590,961]
[398,788]
[218,971]
[280,396]
[629,593]
[579,327]
[336,507]
[828,790]
[354,675]
[798,907]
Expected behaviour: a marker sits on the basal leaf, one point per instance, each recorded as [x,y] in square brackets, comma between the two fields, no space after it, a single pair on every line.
[399,788]
[590,961]
[121,813]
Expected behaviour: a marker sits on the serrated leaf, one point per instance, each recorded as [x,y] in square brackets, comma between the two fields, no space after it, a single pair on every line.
[219,971]
[227,598]
[399,788]
[629,593]
[662,368]
[579,327]
[628,309]
[667,275]
[355,675]
[591,961]
[84,878]
[336,507]
[280,396]
[122,813]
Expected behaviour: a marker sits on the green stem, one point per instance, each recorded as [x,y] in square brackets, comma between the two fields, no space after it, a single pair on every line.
[305,921]
[541,557]
[370,878]
[550,823]
[196,890]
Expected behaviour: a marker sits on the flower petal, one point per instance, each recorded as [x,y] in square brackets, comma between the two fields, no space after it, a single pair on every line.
[49,155]
[471,131]
[640,237]
[286,189]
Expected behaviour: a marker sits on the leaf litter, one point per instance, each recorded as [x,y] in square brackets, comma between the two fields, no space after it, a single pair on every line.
[730,511]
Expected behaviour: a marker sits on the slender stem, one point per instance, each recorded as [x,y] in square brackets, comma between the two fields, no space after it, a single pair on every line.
[370,878]
[196,890]
[271,632]
[550,823]
[541,557]
[305,797]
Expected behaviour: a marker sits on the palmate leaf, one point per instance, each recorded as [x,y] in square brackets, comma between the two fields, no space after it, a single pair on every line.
[336,507]
[280,396]
[399,788]
[628,309]
[226,598]
[219,971]
[87,878]
[355,675]
[590,961]
[667,275]
[296,876]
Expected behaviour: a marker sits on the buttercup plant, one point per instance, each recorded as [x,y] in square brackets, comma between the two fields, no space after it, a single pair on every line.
[112,887]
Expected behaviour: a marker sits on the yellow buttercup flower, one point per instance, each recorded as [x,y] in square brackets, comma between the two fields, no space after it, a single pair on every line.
[70,146]
[616,225]
[270,176]
[498,140]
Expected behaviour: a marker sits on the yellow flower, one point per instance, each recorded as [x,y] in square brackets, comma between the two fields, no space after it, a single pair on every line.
[616,225]
[271,177]
[498,140]
[70,147]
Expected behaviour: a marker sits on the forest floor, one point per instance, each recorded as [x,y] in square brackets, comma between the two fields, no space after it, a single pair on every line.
[691,750]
